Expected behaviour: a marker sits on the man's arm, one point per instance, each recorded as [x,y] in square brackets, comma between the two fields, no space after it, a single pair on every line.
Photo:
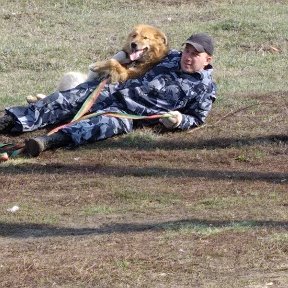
[194,114]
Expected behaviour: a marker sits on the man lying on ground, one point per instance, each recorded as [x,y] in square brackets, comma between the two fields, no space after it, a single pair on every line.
[181,85]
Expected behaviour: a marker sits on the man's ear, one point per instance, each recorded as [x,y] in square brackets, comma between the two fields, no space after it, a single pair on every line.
[208,59]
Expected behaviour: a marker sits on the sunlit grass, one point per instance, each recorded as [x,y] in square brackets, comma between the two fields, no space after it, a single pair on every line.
[207,229]
[92,210]
[200,209]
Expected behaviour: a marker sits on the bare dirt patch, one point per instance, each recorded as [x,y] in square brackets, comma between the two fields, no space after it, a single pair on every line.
[201,209]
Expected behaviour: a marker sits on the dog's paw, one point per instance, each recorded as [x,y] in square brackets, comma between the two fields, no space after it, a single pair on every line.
[40,96]
[32,99]
[98,67]
[112,68]
[99,70]
[116,77]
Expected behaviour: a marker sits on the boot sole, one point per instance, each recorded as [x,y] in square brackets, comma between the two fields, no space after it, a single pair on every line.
[33,147]
[6,123]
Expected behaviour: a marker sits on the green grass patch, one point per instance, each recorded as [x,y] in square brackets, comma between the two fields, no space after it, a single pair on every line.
[92,210]
[207,228]
[279,237]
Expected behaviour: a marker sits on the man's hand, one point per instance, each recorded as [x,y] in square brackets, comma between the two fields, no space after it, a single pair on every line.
[173,121]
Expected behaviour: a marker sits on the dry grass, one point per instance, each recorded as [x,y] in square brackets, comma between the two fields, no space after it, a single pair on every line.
[206,208]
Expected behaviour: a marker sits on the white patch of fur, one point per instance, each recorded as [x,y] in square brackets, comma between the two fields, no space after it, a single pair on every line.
[72,79]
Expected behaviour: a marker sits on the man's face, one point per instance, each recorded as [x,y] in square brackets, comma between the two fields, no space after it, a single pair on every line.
[193,61]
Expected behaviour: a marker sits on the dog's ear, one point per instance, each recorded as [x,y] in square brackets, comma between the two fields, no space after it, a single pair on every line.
[133,32]
[163,37]
[126,46]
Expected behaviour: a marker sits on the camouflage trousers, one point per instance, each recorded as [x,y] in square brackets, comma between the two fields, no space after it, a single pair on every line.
[61,106]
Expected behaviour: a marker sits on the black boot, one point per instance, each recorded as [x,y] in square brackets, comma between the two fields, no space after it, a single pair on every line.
[35,146]
[7,122]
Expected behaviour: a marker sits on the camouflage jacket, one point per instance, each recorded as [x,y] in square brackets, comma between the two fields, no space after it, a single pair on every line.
[162,89]
[166,88]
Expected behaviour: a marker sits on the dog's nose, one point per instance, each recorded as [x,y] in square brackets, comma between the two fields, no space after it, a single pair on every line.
[133,45]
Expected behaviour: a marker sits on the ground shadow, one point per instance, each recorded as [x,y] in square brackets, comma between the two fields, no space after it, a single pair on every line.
[174,144]
[168,143]
[25,230]
[156,172]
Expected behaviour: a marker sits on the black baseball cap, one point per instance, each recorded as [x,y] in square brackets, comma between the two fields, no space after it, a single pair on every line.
[201,42]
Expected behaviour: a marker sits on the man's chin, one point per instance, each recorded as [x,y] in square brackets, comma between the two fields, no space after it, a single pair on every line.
[187,70]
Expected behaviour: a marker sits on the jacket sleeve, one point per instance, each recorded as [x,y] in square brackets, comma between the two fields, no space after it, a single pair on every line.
[197,110]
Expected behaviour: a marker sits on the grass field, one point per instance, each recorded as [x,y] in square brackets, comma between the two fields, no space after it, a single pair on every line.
[205,208]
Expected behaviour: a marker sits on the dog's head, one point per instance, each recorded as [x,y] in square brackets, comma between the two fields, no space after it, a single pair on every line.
[146,43]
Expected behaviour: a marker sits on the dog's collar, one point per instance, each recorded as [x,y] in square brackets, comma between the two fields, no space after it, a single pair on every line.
[127,55]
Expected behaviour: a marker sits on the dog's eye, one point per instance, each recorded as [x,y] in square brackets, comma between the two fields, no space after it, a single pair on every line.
[145,37]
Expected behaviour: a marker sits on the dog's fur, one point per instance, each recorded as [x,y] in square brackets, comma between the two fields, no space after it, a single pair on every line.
[145,47]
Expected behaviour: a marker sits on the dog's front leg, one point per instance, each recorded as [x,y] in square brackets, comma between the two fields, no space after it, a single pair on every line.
[99,68]
[112,67]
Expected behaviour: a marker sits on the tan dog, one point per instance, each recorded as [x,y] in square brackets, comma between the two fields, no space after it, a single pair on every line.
[145,46]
